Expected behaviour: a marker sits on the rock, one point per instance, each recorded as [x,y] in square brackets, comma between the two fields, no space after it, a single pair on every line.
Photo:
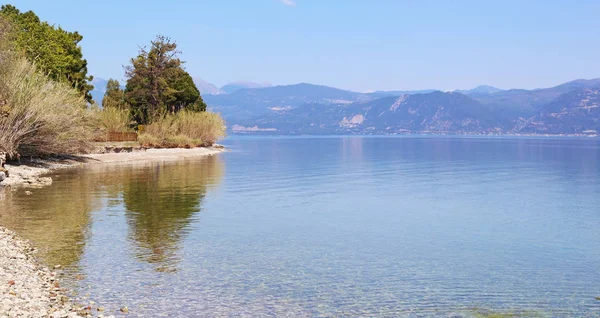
[45,181]
[124,310]
[2,169]
[57,266]
[11,282]
[100,308]
[28,193]
[2,176]
[597,298]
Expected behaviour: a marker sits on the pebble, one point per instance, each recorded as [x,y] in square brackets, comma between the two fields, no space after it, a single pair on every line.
[28,289]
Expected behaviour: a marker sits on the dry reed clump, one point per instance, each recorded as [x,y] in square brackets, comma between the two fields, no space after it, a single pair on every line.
[39,116]
[112,120]
[184,130]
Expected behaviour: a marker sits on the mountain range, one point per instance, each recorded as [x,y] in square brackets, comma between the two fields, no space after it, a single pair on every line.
[571,108]
[203,86]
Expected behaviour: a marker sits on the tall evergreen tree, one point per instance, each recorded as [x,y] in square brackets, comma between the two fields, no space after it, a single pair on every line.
[187,95]
[157,83]
[114,95]
[55,51]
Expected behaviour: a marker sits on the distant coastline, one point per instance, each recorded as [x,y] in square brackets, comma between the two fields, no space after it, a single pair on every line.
[272,132]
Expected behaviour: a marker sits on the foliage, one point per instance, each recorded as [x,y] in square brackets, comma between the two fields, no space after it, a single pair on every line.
[114,97]
[184,129]
[112,119]
[157,84]
[187,95]
[53,50]
[40,116]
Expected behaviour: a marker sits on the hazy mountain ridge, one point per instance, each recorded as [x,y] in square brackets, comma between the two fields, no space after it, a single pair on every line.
[248,103]
[99,90]
[575,112]
[481,89]
[433,112]
[236,86]
[570,108]
[206,88]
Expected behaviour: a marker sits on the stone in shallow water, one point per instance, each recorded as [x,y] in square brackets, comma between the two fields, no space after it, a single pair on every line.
[46,181]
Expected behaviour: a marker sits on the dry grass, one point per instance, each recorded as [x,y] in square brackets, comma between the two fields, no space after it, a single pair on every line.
[111,119]
[184,130]
[39,116]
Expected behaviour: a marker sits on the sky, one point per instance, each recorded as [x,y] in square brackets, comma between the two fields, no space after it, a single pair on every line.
[357,45]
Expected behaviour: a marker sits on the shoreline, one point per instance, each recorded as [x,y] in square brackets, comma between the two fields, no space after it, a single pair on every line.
[29,173]
[27,287]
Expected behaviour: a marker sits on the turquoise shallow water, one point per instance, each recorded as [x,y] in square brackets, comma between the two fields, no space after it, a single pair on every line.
[332,226]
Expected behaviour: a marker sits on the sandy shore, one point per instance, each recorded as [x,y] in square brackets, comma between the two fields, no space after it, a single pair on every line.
[28,174]
[28,289]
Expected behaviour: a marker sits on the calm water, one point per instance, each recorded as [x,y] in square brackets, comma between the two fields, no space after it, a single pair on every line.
[349,226]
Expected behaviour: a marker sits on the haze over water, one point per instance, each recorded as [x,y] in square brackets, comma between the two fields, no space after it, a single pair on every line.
[331,226]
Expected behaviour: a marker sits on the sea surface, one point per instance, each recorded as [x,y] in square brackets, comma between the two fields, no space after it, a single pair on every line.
[330,227]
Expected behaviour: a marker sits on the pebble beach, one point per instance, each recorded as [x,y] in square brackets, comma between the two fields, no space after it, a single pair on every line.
[28,288]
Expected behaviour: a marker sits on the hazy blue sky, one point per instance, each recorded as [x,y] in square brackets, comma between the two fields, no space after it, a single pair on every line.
[353,44]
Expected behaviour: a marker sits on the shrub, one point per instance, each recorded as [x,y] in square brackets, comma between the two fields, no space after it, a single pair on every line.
[184,129]
[111,119]
[39,116]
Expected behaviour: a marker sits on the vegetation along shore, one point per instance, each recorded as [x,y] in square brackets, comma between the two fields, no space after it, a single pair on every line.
[48,121]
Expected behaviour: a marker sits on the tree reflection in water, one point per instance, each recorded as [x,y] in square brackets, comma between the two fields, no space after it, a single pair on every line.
[159,201]
[160,204]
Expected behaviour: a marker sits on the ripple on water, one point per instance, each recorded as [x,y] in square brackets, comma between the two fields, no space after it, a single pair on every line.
[377,227]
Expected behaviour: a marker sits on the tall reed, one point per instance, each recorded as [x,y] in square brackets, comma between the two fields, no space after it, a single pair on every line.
[37,115]
[184,129]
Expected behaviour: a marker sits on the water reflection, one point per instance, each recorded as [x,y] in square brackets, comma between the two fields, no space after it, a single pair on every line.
[161,201]
[56,218]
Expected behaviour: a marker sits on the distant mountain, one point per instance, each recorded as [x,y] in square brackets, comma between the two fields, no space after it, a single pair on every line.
[236,86]
[99,89]
[206,88]
[433,112]
[251,102]
[378,94]
[482,89]
[570,108]
[579,83]
[575,112]
[526,103]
